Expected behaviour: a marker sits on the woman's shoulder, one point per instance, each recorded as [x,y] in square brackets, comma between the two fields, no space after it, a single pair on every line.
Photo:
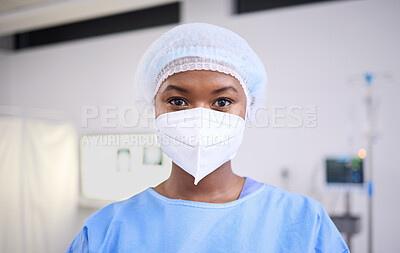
[276,194]
[291,204]
[302,214]
[96,226]
[116,210]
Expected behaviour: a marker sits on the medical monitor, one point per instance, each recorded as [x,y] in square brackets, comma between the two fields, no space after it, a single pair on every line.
[345,171]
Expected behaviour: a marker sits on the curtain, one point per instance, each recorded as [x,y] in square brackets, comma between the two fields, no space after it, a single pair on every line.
[38,184]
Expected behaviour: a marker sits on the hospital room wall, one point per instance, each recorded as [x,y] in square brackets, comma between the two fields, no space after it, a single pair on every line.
[311,52]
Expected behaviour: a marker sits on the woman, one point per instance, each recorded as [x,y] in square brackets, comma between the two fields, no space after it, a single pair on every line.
[206,84]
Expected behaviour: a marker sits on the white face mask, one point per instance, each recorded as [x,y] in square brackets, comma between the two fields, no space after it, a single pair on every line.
[199,140]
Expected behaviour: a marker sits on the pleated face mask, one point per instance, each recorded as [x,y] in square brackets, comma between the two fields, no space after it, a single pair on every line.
[199,140]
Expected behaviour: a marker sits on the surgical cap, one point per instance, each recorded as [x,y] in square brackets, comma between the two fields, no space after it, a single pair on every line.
[200,46]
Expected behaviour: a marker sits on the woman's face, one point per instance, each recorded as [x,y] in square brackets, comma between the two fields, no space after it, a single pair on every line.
[201,88]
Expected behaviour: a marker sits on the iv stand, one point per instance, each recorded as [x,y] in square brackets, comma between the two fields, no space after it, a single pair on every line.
[370,141]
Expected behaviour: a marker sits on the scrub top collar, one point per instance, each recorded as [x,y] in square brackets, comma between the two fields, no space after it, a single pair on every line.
[205,204]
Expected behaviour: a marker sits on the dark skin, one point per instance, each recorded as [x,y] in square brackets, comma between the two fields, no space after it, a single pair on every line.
[211,90]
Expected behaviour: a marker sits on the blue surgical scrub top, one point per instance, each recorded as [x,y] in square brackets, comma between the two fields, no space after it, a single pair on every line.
[264,219]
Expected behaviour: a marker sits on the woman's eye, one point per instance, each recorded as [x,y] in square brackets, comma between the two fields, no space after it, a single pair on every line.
[222,102]
[177,102]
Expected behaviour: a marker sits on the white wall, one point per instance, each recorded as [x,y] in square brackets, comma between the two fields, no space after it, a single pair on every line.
[311,52]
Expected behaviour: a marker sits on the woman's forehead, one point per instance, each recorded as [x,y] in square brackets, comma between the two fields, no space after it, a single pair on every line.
[202,79]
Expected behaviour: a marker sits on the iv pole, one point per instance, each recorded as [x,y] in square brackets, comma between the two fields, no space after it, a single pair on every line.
[371,104]
[370,141]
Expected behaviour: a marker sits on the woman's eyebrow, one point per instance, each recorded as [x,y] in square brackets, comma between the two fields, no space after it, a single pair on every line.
[224,89]
[173,87]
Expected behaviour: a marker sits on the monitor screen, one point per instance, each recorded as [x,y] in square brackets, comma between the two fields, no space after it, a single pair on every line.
[344,170]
